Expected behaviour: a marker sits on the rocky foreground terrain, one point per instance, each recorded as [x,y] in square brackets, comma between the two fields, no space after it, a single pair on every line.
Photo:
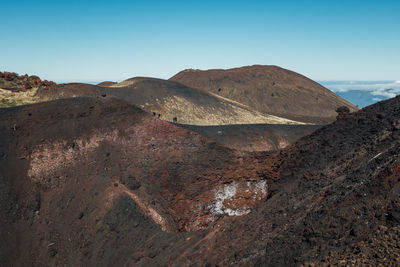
[98,181]
[149,172]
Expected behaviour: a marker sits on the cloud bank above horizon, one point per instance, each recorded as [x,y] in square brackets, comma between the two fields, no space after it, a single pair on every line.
[363,93]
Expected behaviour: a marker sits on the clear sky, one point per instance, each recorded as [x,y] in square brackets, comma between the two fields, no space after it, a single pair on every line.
[114,40]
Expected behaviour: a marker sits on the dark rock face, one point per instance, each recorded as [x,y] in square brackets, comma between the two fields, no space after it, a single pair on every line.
[27,86]
[10,76]
[342,112]
[382,248]
[35,80]
[47,83]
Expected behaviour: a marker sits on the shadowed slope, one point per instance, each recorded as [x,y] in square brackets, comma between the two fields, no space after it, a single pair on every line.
[254,137]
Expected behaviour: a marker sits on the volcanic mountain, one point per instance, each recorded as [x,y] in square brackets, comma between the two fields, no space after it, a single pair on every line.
[98,181]
[270,90]
[170,101]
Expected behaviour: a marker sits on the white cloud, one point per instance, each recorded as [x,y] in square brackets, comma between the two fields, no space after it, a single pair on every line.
[384,93]
[340,89]
[384,89]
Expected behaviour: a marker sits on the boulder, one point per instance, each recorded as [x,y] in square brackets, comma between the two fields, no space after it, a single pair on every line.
[342,112]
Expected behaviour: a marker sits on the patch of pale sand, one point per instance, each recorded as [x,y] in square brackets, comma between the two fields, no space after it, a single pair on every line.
[230,112]
[276,118]
[19,98]
[123,83]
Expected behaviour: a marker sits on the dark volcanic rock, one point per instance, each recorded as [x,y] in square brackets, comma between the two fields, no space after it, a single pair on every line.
[342,112]
[10,76]
[27,86]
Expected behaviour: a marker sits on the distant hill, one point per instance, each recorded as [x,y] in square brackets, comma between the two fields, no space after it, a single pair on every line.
[106,83]
[269,89]
[170,101]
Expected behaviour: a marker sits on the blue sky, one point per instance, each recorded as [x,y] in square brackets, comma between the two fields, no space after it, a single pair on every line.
[115,40]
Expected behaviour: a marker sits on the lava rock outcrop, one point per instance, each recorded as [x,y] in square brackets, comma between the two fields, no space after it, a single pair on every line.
[13,81]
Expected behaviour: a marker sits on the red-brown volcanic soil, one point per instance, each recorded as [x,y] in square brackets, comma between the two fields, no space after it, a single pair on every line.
[271,90]
[89,181]
[79,175]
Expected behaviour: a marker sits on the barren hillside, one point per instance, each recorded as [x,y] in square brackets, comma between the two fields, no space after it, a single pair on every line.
[269,90]
[171,102]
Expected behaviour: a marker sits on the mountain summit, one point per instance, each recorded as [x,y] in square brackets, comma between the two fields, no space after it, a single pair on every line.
[270,90]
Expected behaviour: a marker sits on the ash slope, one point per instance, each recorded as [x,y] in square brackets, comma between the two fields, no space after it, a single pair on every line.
[170,100]
[270,90]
